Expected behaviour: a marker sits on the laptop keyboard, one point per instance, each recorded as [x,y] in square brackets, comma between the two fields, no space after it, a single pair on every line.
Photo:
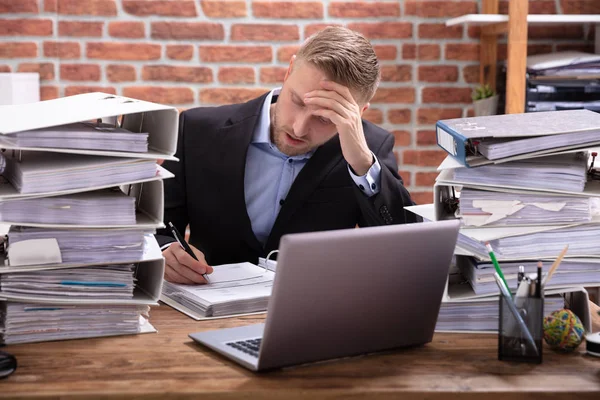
[248,346]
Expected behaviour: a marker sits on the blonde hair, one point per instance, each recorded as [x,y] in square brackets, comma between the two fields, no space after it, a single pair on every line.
[346,57]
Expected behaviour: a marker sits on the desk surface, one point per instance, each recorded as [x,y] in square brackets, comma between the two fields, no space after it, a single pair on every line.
[169,364]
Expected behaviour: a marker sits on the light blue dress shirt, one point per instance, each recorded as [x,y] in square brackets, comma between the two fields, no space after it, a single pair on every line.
[270,173]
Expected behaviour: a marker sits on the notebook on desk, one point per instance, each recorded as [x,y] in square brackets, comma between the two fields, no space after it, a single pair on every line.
[344,293]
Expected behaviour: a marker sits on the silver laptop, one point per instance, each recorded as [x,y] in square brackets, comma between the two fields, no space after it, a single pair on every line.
[344,293]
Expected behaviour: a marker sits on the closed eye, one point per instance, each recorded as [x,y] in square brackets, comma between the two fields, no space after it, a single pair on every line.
[324,120]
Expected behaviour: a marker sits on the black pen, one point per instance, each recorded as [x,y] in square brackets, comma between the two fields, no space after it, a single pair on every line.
[185,246]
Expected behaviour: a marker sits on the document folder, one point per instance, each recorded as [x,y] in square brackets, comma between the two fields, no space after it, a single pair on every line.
[522,135]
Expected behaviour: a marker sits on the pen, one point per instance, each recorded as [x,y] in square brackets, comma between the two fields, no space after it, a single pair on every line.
[488,246]
[513,309]
[184,245]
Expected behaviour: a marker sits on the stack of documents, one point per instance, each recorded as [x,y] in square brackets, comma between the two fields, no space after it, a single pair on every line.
[486,208]
[93,246]
[86,208]
[233,289]
[26,322]
[107,281]
[83,200]
[35,172]
[82,135]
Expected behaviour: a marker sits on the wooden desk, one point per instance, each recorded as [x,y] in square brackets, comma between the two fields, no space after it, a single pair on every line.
[170,365]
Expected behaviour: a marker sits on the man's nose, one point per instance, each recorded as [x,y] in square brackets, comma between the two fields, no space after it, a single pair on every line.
[301,125]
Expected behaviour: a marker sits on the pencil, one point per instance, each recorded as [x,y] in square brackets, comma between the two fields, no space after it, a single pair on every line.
[555,265]
[488,246]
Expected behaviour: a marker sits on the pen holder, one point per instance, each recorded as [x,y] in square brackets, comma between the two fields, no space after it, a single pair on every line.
[513,343]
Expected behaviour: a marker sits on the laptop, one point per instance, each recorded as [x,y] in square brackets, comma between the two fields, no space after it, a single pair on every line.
[344,293]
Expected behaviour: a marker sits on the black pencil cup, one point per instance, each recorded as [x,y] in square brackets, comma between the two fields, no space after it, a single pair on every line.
[513,343]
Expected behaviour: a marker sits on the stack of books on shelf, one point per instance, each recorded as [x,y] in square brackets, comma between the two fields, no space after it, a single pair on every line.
[525,184]
[83,194]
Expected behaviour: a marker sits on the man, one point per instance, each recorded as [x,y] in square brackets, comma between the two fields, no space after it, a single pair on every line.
[296,159]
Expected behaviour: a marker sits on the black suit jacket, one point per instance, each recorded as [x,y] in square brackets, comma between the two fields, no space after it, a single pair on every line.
[208,189]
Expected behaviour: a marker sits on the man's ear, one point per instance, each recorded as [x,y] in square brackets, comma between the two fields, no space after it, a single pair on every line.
[364,108]
[290,67]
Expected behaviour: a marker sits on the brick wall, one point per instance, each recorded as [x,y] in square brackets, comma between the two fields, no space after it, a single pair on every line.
[193,52]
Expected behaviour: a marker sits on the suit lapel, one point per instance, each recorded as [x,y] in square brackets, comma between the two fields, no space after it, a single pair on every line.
[231,147]
[316,169]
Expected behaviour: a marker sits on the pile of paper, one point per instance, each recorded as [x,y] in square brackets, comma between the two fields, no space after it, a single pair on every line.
[84,200]
[234,289]
[526,184]
[27,323]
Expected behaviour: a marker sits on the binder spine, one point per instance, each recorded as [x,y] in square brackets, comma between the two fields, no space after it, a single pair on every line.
[452,142]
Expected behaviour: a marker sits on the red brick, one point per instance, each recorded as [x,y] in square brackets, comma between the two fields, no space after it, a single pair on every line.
[580,6]
[48,93]
[462,51]
[183,52]
[396,73]
[373,115]
[425,178]
[287,9]
[46,70]
[567,31]
[5,68]
[386,51]
[126,29]
[446,95]
[250,54]
[80,72]
[311,29]
[406,177]
[18,6]
[383,30]
[264,32]
[123,51]
[63,50]
[73,90]
[402,138]
[187,30]
[471,73]
[535,7]
[347,9]
[394,95]
[169,73]
[18,50]
[224,9]
[399,116]
[164,95]
[440,31]
[167,8]
[423,52]
[439,9]
[285,53]
[438,73]
[423,158]
[432,115]
[421,197]
[80,7]
[229,95]
[80,28]
[236,75]
[25,27]
[120,73]
[426,138]
[272,74]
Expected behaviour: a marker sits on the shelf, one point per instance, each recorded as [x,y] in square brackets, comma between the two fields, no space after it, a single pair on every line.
[485,19]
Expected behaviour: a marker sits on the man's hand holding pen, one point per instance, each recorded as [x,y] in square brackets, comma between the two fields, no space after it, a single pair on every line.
[182,268]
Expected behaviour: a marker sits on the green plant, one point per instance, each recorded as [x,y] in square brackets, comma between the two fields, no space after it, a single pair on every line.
[482,92]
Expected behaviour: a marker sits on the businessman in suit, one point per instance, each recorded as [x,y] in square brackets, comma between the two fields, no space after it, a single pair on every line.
[297,159]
